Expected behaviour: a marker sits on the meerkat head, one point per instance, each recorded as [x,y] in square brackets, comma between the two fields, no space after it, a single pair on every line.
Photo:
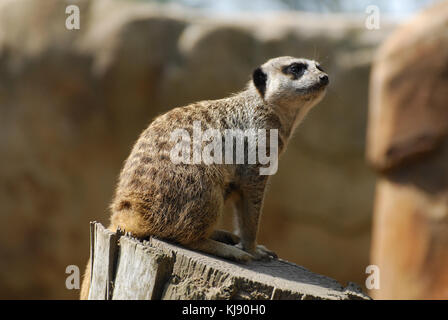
[290,82]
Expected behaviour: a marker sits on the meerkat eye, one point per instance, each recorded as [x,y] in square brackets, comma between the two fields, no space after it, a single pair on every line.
[298,67]
[295,69]
[318,67]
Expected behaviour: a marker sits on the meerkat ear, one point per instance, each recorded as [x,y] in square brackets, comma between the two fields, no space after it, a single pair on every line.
[259,78]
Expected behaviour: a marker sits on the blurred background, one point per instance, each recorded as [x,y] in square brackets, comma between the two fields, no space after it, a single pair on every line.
[73,102]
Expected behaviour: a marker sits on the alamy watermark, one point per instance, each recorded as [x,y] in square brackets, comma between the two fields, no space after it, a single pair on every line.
[72,22]
[73,280]
[373,280]
[373,18]
[230,146]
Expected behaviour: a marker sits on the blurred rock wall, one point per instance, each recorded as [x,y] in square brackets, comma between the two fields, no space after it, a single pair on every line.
[408,146]
[72,102]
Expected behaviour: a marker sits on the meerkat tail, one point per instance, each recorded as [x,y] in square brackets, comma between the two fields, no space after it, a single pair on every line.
[85,286]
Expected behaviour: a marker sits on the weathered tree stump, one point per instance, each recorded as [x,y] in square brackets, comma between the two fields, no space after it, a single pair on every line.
[126,268]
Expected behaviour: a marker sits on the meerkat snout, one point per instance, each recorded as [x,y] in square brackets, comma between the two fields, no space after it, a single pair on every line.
[324,79]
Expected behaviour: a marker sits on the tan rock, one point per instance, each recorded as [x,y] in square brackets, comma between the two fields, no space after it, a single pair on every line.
[408,127]
[408,107]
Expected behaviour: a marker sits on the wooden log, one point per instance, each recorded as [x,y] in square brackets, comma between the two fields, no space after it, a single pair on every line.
[103,256]
[141,271]
[157,269]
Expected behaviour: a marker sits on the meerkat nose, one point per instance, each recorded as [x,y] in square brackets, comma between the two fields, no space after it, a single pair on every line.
[324,79]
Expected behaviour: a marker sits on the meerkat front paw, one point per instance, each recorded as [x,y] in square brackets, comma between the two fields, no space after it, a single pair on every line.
[262,253]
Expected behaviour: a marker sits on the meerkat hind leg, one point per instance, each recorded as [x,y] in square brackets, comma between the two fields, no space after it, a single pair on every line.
[222,250]
[225,236]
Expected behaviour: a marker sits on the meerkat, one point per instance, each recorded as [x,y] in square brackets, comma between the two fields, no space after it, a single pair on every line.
[183,202]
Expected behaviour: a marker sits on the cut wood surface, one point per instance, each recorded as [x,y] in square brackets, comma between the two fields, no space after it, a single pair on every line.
[127,268]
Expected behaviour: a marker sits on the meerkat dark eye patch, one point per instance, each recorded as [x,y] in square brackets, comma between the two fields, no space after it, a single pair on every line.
[295,69]
[260,78]
[318,67]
